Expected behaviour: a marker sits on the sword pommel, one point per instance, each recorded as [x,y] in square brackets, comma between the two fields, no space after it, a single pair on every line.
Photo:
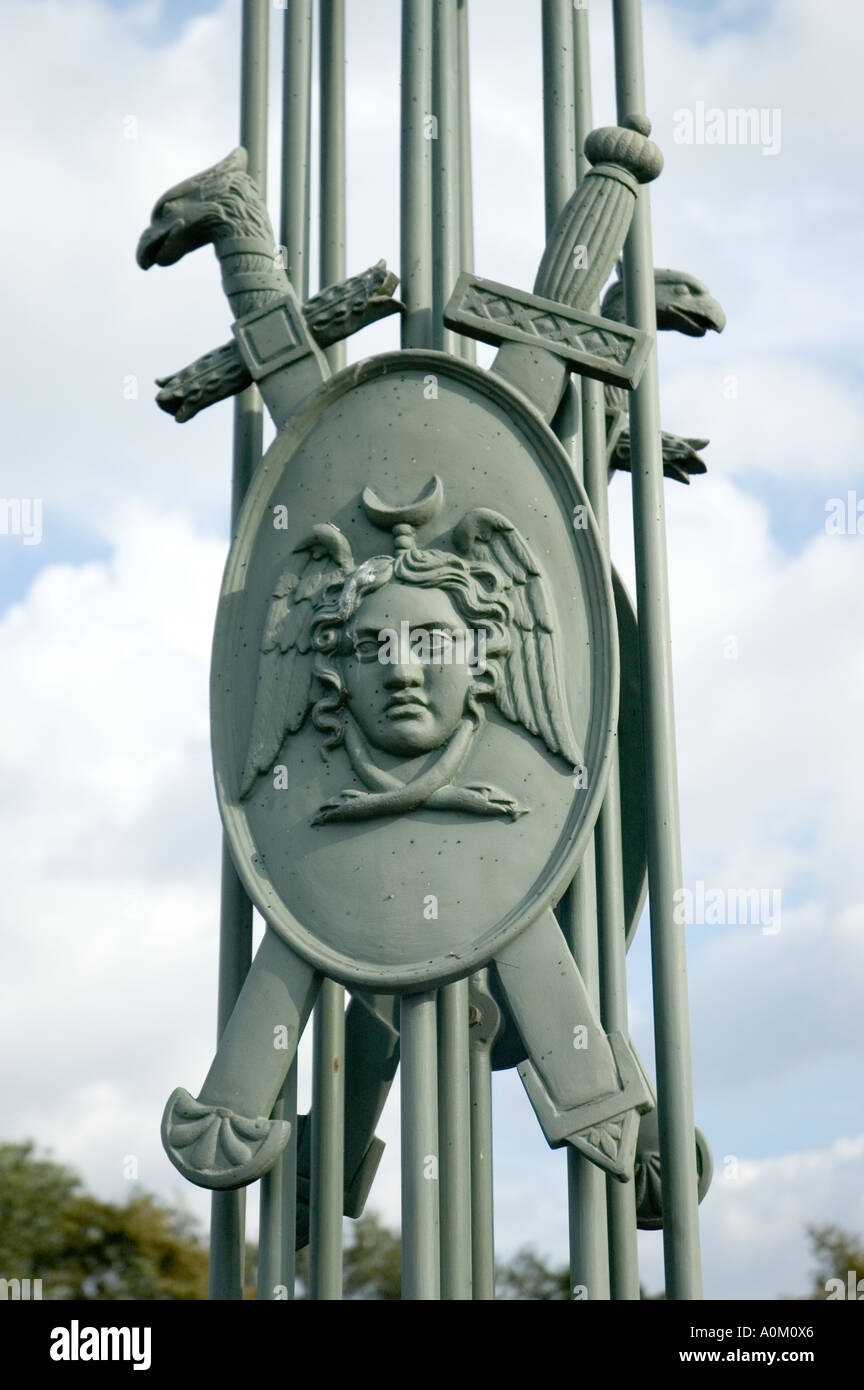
[627,147]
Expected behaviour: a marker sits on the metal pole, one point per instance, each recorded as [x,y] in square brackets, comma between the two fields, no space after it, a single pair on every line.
[559,173]
[228,1209]
[668,946]
[417,1012]
[416,173]
[454,1116]
[296,143]
[446,168]
[482,1205]
[333,171]
[623,1260]
[559,135]
[277,1225]
[274,1197]
[585,1184]
[481,1199]
[468,347]
[278,1220]
[454,1102]
[420,1234]
[328,1144]
[328,1066]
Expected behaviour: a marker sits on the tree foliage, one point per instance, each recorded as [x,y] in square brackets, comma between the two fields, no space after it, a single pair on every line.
[837,1253]
[526,1276]
[84,1248]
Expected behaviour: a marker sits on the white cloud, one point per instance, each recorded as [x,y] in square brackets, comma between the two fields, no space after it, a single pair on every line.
[753,1235]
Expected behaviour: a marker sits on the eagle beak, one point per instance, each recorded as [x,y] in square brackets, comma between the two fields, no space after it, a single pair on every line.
[709,313]
[692,316]
[153,242]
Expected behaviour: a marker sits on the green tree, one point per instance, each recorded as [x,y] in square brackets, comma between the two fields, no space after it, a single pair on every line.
[83,1248]
[371,1263]
[526,1276]
[837,1252]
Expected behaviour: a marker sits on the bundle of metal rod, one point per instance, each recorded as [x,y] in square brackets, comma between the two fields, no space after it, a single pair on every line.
[668,955]
[228,1209]
[436,243]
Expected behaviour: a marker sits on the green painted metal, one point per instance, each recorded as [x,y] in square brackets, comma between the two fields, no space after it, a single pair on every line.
[611,880]
[420,1225]
[617,1268]
[333,171]
[454,1120]
[672,1036]
[481,1236]
[278,1220]
[446,168]
[278,1215]
[341,877]
[421,1250]
[227,1222]
[454,1098]
[576,912]
[416,173]
[559,133]
[592,1107]
[296,161]
[272,1282]
[466,192]
[374,946]
[575,1105]
[328,1068]
[586,1183]
[328,1144]
[485,1022]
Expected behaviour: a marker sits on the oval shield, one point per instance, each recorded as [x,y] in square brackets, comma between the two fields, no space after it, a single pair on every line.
[415,674]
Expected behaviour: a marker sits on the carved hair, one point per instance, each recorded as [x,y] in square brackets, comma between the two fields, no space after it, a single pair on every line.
[475,589]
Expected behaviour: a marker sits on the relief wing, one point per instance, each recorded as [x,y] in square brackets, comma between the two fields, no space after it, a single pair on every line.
[531,692]
[283,694]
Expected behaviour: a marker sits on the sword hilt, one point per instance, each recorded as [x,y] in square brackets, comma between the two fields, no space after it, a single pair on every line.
[586,240]
[581,250]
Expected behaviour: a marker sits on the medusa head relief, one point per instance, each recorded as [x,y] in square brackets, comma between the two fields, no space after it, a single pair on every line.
[397,659]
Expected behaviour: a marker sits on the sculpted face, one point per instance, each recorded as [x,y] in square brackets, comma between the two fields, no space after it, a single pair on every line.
[402,702]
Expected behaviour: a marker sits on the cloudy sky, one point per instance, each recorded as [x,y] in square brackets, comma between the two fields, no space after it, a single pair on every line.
[108,826]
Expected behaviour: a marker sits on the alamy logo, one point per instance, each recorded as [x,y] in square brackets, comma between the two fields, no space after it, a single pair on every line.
[76,1343]
[735,907]
[20,1289]
[739,125]
[433,647]
[22,516]
[853,1289]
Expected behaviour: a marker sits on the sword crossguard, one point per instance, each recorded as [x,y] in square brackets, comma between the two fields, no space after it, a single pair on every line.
[545,335]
